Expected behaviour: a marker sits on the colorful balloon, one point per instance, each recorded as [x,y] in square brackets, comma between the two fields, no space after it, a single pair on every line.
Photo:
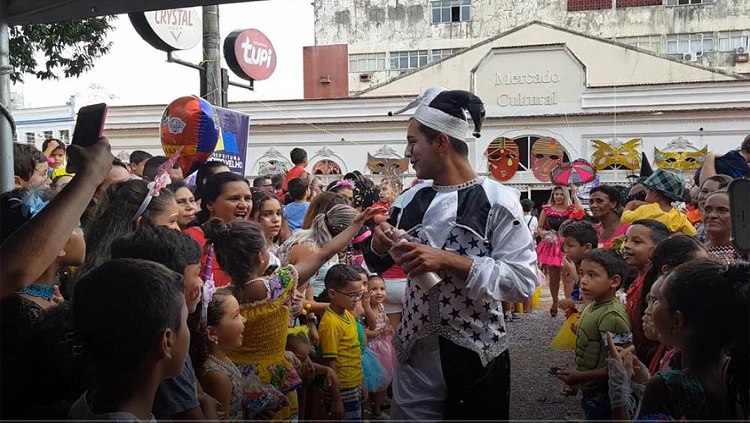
[190,123]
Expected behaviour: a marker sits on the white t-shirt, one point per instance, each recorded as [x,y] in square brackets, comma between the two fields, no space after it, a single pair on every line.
[531,222]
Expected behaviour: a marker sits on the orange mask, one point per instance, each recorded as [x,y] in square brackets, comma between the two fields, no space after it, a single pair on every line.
[502,158]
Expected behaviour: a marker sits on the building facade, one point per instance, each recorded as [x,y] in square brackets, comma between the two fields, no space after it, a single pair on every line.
[387,38]
[551,96]
[34,125]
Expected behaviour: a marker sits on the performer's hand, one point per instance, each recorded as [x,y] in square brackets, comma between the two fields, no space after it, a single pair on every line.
[381,241]
[418,259]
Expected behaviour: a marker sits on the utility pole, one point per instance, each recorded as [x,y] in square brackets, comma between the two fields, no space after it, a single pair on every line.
[6,128]
[211,84]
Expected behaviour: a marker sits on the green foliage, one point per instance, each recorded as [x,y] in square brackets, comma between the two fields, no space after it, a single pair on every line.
[70,48]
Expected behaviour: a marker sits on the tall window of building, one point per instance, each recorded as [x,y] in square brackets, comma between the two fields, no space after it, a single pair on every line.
[64,135]
[451,11]
[688,2]
[647,42]
[689,43]
[402,60]
[30,138]
[731,41]
[440,54]
[369,62]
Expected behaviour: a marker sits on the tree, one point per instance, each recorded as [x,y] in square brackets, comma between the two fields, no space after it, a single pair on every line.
[68,47]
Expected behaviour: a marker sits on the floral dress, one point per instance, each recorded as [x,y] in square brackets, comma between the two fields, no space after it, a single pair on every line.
[549,251]
[383,345]
[261,355]
[235,406]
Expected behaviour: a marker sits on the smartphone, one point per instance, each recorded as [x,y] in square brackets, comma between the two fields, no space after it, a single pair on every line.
[89,128]
[739,204]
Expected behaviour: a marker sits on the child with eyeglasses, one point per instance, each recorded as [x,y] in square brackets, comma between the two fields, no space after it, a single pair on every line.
[340,344]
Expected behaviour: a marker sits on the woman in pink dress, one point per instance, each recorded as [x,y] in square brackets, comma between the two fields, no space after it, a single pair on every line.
[549,251]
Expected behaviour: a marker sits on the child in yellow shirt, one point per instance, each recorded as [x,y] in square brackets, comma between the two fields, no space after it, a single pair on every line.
[662,188]
[339,342]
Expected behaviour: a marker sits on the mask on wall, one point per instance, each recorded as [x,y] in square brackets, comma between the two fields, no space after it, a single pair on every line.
[680,154]
[387,165]
[272,167]
[326,167]
[546,153]
[502,158]
[617,154]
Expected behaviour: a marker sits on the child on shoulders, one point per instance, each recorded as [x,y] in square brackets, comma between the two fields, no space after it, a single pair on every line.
[662,188]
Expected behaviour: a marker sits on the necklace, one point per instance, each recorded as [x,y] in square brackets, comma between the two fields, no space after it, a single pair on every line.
[36,290]
[226,365]
[459,187]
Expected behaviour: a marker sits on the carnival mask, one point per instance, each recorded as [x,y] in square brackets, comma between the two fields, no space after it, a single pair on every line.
[502,158]
[546,153]
[272,167]
[679,160]
[326,167]
[387,166]
[621,155]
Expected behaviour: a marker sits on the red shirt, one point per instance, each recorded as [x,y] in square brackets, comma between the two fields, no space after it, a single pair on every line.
[294,173]
[221,279]
[644,348]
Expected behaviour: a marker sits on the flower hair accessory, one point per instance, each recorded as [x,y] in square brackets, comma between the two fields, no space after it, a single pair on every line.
[209,287]
[344,183]
[159,183]
[31,204]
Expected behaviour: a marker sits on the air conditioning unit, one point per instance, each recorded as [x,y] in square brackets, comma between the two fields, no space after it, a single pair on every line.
[741,55]
[689,57]
[325,79]
[365,77]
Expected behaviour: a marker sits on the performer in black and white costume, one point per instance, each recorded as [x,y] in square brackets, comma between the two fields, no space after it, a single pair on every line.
[451,343]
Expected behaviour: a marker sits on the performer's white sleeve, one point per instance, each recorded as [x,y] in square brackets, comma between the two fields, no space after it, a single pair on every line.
[509,273]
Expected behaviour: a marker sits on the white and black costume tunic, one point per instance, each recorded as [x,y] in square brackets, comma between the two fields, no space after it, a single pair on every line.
[451,343]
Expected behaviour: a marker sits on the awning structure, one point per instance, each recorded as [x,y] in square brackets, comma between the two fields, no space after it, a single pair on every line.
[21,12]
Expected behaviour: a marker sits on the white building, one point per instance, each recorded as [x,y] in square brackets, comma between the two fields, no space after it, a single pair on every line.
[538,82]
[387,37]
[34,125]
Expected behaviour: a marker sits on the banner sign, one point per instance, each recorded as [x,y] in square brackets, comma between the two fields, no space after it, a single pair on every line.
[232,146]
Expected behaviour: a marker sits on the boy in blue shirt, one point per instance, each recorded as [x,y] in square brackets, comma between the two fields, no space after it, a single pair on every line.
[299,191]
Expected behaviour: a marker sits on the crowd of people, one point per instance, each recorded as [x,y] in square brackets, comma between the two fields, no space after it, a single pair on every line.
[130,294]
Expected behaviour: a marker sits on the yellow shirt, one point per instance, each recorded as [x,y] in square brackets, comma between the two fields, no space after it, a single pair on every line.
[339,340]
[675,220]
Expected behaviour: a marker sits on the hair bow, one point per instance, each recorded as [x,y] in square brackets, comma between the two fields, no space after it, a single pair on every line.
[209,287]
[344,183]
[160,182]
[31,204]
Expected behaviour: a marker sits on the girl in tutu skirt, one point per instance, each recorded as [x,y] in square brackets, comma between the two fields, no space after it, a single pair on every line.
[549,251]
[380,339]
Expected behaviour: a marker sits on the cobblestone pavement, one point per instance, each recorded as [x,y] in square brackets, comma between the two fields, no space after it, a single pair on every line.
[535,394]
